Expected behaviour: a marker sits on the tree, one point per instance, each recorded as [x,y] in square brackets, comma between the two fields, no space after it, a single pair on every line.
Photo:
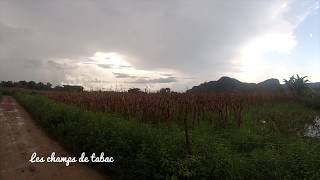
[40,86]
[134,90]
[49,85]
[297,84]
[22,84]
[73,88]
[32,84]
[165,90]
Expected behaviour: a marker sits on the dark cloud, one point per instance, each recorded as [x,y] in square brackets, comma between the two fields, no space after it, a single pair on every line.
[123,75]
[197,38]
[153,81]
[105,66]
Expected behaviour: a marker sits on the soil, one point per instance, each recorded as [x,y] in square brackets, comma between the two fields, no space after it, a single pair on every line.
[20,137]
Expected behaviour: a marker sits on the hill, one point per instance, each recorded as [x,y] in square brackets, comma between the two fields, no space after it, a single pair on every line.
[315,85]
[227,84]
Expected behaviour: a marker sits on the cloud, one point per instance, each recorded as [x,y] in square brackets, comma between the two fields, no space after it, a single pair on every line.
[153,81]
[196,38]
[123,75]
[166,74]
[60,64]
[105,66]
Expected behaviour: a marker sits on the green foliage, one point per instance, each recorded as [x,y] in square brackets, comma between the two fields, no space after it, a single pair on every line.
[39,86]
[70,88]
[270,145]
[297,84]
[165,90]
[141,151]
[6,92]
[311,101]
[26,85]
[134,90]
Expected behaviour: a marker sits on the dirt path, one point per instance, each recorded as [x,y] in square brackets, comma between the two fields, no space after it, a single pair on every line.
[20,137]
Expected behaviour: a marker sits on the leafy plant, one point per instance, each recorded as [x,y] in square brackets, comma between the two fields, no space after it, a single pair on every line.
[297,85]
[134,90]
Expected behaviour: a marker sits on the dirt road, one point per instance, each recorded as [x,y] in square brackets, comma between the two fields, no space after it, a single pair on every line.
[20,136]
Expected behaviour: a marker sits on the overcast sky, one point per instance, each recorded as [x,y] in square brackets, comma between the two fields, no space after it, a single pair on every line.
[158,43]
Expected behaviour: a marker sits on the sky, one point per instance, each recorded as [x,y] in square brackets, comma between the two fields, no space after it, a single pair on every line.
[119,44]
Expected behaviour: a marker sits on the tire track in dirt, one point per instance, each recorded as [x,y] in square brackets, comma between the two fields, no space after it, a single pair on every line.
[20,136]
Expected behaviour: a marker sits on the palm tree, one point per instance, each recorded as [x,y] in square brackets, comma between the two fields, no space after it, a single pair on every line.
[297,84]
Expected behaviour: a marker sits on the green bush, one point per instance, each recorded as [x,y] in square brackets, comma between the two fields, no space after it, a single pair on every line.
[146,151]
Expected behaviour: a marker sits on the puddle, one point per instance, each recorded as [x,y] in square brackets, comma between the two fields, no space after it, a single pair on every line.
[314,129]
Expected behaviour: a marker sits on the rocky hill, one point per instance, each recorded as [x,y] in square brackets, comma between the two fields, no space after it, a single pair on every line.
[227,84]
[315,85]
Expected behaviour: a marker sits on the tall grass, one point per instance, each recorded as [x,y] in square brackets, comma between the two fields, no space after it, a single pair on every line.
[311,101]
[216,108]
[269,145]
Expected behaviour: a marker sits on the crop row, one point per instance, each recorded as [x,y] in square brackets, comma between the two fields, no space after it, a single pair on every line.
[216,108]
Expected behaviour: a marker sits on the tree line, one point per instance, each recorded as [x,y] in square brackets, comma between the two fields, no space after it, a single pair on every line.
[39,86]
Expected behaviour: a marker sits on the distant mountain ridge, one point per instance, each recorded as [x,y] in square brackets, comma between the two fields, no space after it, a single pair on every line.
[314,85]
[227,84]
